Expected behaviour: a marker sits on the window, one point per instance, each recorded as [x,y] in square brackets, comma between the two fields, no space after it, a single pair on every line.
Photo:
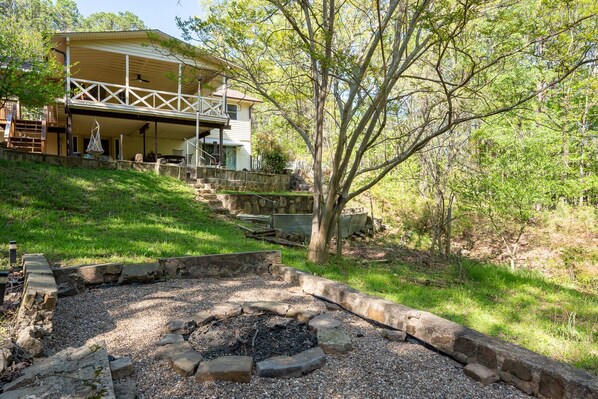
[75,144]
[231,110]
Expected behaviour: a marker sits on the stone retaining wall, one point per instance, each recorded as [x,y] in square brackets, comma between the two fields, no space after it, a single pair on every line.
[250,204]
[531,372]
[72,280]
[221,178]
[38,304]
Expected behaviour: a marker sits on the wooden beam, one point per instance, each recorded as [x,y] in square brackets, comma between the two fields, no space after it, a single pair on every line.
[118,115]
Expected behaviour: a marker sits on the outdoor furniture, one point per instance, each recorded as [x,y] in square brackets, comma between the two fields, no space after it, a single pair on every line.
[173,159]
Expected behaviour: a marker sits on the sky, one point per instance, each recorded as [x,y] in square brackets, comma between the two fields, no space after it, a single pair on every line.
[154,13]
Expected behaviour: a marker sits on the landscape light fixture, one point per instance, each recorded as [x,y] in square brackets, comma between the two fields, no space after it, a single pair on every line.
[3,280]
[12,253]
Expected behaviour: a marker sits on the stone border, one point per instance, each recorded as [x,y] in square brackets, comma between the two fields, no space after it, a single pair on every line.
[175,348]
[72,280]
[531,372]
[38,304]
[223,178]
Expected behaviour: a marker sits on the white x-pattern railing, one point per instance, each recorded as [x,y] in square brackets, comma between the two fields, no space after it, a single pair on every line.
[110,93]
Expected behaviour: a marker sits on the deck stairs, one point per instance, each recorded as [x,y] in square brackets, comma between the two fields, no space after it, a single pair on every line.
[27,136]
[206,193]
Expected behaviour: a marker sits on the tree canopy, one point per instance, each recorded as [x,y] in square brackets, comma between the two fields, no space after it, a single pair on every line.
[366,86]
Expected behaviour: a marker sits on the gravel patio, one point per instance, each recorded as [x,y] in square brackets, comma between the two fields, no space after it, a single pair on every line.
[131,319]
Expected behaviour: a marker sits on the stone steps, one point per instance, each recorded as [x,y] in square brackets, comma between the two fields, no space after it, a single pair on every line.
[206,193]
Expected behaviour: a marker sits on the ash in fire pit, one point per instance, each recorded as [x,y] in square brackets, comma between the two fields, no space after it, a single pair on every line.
[260,336]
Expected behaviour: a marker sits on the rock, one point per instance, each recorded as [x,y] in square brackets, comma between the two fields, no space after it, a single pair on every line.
[170,339]
[99,274]
[393,335]
[332,306]
[60,376]
[302,315]
[310,359]
[122,368]
[180,326]
[226,368]
[125,390]
[278,367]
[481,373]
[166,351]
[323,321]
[140,273]
[278,308]
[185,363]
[334,341]
[30,339]
[203,317]
[6,359]
[225,310]
[67,289]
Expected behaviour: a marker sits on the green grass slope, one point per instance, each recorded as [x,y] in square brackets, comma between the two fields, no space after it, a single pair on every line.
[78,216]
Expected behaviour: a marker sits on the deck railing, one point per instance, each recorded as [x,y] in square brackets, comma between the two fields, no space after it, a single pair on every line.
[110,93]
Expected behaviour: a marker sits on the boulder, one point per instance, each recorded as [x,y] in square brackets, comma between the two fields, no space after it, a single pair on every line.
[225,310]
[278,308]
[334,341]
[140,273]
[31,340]
[180,326]
[185,363]
[99,274]
[203,317]
[170,339]
[394,335]
[6,359]
[167,351]
[481,373]
[310,359]
[302,315]
[279,367]
[121,368]
[323,321]
[226,368]
[125,390]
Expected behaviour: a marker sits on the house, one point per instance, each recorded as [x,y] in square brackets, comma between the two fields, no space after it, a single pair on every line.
[142,99]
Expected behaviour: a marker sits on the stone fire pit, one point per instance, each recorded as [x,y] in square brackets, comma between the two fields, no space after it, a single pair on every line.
[224,342]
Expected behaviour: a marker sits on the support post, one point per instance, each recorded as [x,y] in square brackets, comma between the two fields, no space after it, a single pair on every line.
[221,148]
[69,133]
[67,61]
[127,79]
[144,146]
[224,99]
[178,100]
[156,139]
[197,122]
[120,148]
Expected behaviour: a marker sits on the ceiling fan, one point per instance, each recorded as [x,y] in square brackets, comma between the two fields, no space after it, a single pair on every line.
[140,79]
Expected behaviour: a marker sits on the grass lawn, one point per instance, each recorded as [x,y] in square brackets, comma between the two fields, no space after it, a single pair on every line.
[80,216]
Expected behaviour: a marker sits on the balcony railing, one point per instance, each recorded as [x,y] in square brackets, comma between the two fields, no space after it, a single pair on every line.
[110,93]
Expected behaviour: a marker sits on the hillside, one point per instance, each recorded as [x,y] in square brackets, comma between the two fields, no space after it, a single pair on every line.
[81,216]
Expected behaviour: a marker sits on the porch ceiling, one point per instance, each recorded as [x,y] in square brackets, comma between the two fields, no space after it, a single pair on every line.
[112,127]
[104,66]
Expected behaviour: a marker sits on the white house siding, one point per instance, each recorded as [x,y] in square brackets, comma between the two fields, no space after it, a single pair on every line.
[238,136]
